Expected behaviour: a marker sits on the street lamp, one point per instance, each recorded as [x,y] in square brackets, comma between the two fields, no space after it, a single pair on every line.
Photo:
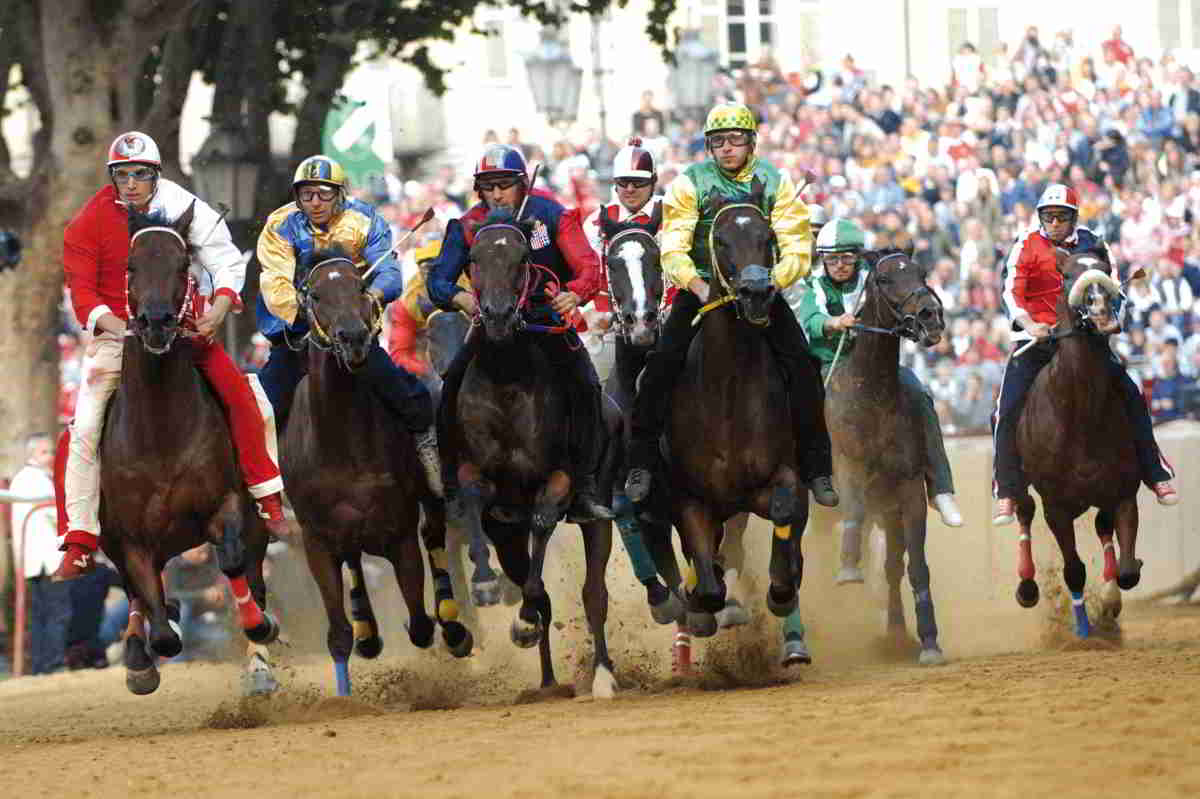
[691,80]
[226,173]
[554,79]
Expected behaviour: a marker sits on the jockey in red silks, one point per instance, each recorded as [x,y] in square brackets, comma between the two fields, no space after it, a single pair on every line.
[1032,285]
[95,256]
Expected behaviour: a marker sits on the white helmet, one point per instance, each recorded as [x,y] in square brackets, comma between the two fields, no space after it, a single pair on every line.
[634,161]
[1058,195]
[816,215]
[134,147]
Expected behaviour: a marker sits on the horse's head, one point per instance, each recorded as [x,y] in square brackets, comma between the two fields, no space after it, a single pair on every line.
[445,332]
[634,276]
[341,315]
[500,273]
[1089,293]
[158,286]
[901,298]
[742,248]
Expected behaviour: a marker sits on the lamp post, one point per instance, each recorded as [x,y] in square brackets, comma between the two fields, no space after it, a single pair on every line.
[554,78]
[691,80]
[226,176]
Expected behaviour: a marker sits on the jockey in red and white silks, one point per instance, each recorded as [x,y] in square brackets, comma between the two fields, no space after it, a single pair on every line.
[95,259]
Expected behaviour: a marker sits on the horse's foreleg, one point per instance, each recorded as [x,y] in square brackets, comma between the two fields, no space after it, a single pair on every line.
[854,524]
[914,517]
[141,673]
[433,533]
[466,512]
[893,571]
[1062,524]
[258,679]
[142,573]
[367,641]
[546,512]
[1129,568]
[597,545]
[532,625]
[225,532]
[700,528]
[732,557]
[1027,589]
[326,570]
[405,556]
[1110,594]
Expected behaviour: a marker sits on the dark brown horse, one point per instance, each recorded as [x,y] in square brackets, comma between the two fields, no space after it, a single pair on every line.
[511,440]
[169,477]
[733,390]
[354,478]
[876,432]
[1076,442]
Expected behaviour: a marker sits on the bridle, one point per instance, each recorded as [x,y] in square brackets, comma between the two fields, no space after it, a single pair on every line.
[906,325]
[532,271]
[728,294]
[188,297]
[317,335]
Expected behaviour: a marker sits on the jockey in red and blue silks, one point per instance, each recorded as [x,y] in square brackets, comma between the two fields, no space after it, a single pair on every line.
[1032,285]
[557,244]
[322,217]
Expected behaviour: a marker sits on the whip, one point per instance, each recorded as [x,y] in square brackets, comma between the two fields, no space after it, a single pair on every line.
[424,218]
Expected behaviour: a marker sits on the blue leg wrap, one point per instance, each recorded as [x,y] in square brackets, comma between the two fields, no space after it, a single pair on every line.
[341,674]
[631,535]
[1083,627]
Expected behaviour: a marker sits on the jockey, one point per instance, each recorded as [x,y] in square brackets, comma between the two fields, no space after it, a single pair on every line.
[827,312]
[558,244]
[321,217]
[411,314]
[730,132]
[1032,285]
[95,255]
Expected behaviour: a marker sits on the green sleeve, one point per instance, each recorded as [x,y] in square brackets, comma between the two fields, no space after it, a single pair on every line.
[814,311]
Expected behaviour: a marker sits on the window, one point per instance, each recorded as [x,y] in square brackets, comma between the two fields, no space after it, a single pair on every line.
[749,28]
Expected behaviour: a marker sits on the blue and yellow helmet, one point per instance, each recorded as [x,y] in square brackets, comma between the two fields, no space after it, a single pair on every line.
[320,169]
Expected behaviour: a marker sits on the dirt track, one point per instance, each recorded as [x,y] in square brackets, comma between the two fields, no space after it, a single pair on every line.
[1020,711]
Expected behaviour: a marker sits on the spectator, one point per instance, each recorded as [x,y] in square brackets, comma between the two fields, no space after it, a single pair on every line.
[1117,49]
[194,579]
[644,112]
[36,556]
[972,410]
[1169,400]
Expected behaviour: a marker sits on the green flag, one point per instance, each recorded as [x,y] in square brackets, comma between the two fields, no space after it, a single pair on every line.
[349,138]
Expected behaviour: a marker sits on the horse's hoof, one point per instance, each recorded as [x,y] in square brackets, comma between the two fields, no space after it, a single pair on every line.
[369,647]
[266,632]
[670,609]
[1129,578]
[732,615]
[849,574]
[931,655]
[143,682]
[166,644]
[1110,599]
[420,631]
[604,685]
[1027,593]
[702,625]
[485,593]
[259,682]
[524,634]
[783,505]
[458,639]
[795,653]
[781,601]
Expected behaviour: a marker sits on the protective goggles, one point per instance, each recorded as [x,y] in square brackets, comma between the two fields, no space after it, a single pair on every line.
[839,258]
[502,184]
[1051,217]
[633,183]
[139,174]
[737,138]
[309,194]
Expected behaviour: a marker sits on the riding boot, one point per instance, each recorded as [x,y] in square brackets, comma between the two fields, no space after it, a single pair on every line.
[1154,469]
[939,480]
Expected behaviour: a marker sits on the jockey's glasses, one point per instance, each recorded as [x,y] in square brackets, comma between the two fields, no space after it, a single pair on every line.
[842,258]
[140,174]
[1051,217]
[633,183]
[737,138]
[496,184]
[309,194]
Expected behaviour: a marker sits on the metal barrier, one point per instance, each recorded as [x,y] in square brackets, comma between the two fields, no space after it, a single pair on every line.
[19,598]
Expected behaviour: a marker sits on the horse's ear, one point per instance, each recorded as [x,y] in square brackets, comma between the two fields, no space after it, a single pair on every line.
[1060,258]
[184,222]
[758,191]
[656,217]
[607,226]
[712,203]
[870,256]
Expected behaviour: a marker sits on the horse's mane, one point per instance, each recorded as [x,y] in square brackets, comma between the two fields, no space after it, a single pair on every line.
[139,221]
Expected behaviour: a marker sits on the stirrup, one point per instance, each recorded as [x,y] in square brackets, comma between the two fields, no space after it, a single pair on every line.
[431,462]
[638,484]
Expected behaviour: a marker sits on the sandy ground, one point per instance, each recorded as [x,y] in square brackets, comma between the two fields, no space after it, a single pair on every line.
[1021,710]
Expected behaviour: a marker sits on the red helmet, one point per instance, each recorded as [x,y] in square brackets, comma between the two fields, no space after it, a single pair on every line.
[134,147]
[633,161]
[1058,195]
[499,160]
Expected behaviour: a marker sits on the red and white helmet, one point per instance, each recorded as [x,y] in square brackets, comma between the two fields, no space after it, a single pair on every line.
[634,161]
[1058,195]
[134,147]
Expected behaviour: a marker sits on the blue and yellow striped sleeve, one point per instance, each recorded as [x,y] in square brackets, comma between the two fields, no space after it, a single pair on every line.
[387,277]
[277,259]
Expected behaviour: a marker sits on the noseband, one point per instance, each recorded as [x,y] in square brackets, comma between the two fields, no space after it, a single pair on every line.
[188,297]
[907,325]
[317,334]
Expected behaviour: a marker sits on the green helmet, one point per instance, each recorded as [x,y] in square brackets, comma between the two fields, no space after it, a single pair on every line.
[840,235]
[730,116]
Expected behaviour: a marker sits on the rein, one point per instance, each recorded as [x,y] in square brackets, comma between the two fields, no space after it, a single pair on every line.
[727,295]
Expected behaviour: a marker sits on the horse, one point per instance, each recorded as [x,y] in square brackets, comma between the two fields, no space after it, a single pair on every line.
[511,440]
[1076,442]
[637,291]
[168,478]
[445,332]
[354,478]
[876,432]
[733,389]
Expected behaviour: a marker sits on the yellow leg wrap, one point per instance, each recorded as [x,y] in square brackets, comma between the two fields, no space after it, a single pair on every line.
[363,629]
[354,580]
[438,558]
[447,610]
[783,533]
[690,578]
